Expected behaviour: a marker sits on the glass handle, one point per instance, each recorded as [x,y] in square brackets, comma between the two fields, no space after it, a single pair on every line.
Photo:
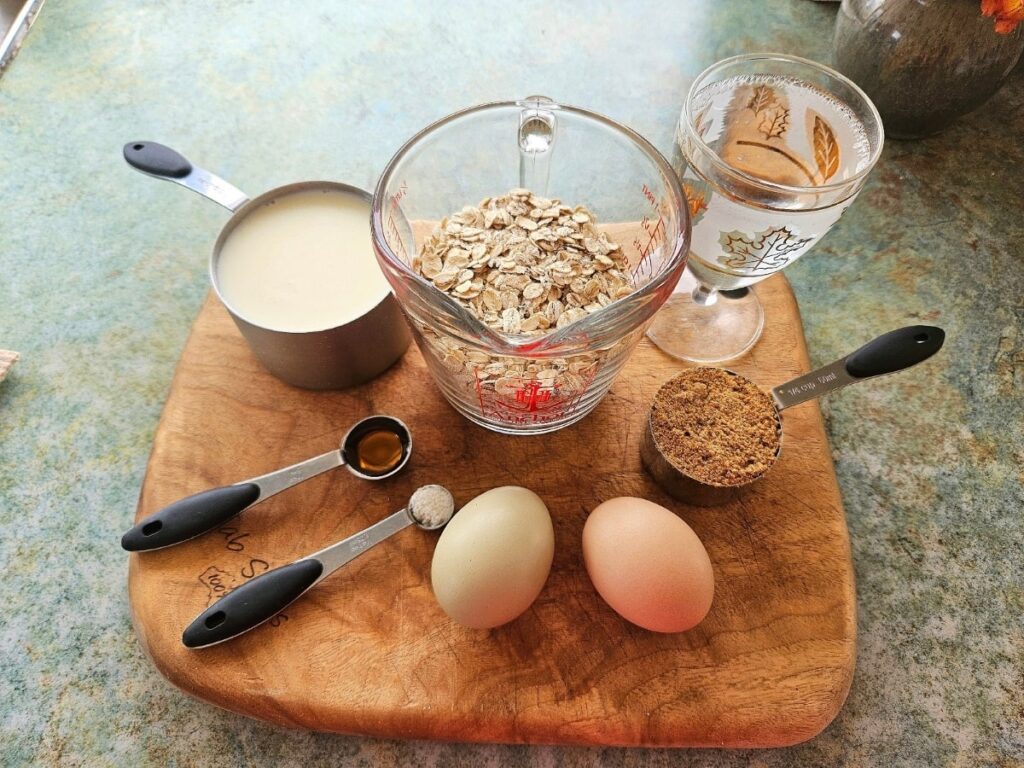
[536,137]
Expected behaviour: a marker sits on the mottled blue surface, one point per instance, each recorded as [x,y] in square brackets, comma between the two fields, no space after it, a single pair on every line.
[102,271]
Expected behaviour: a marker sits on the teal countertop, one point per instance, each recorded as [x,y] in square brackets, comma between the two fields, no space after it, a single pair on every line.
[102,271]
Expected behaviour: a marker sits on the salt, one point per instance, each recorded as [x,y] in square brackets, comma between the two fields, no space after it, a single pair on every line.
[432,506]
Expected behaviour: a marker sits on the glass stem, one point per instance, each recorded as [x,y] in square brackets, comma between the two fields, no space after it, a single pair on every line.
[704,296]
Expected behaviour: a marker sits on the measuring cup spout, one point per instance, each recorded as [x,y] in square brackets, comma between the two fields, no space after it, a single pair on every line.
[165,163]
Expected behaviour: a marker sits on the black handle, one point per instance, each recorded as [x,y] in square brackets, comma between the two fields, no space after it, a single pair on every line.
[150,157]
[895,350]
[190,517]
[256,601]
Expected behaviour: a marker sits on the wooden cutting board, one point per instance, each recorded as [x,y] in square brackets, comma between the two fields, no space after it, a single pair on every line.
[369,651]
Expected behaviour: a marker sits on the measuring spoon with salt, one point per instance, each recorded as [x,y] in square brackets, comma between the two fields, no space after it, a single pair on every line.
[374,448]
[260,599]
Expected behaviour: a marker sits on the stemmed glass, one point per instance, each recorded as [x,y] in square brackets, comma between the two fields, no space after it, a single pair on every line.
[774,149]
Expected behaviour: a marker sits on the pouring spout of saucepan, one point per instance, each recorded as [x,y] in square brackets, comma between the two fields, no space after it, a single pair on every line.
[165,163]
[891,352]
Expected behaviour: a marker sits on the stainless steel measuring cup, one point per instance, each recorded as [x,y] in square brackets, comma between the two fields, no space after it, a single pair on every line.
[889,353]
[343,356]
[201,512]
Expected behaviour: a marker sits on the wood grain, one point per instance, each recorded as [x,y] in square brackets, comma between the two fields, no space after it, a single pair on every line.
[369,651]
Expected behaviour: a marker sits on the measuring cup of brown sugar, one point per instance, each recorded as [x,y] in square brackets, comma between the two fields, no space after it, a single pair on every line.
[712,432]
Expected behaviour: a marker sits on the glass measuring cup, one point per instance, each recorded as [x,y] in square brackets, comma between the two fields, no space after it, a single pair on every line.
[518,384]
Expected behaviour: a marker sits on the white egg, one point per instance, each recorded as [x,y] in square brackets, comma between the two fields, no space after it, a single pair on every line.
[493,558]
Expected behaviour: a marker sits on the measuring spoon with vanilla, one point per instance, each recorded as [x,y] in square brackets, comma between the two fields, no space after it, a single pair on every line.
[374,448]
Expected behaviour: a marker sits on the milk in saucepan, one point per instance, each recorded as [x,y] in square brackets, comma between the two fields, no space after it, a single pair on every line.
[303,262]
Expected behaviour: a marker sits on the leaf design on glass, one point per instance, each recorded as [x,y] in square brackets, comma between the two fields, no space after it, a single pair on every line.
[763,97]
[763,253]
[700,121]
[774,123]
[826,149]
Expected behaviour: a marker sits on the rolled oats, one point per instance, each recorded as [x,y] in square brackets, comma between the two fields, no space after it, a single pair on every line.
[523,265]
[509,259]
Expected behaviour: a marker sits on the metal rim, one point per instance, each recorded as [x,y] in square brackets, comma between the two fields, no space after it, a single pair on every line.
[415,521]
[778,450]
[397,426]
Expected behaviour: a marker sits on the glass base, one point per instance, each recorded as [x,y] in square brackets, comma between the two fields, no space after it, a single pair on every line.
[708,333]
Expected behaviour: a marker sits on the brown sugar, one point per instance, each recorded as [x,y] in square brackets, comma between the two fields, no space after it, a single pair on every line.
[717,427]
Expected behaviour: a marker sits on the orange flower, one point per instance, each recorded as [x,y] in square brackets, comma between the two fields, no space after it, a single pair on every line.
[1007,13]
[697,204]
[696,199]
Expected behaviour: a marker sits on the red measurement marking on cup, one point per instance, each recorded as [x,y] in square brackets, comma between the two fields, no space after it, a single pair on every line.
[655,233]
[652,235]
[396,198]
[531,401]
[394,236]
[533,396]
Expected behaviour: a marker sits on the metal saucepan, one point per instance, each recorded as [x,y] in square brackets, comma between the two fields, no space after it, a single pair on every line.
[343,356]
[891,352]
[201,512]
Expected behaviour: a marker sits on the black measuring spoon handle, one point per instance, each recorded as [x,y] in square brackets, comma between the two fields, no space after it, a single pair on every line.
[190,517]
[156,159]
[891,352]
[254,602]
[895,351]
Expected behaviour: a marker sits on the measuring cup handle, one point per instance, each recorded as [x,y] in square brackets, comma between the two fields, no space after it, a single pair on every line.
[891,352]
[895,350]
[156,159]
[254,602]
[162,162]
[189,517]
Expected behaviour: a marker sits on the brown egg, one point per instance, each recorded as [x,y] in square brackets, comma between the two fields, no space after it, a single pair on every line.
[648,565]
